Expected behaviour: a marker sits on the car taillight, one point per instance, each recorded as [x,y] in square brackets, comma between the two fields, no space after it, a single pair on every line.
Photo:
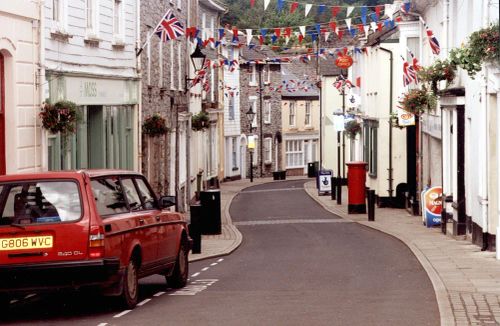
[96,242]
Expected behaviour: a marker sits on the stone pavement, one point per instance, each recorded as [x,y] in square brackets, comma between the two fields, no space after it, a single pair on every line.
[465,279]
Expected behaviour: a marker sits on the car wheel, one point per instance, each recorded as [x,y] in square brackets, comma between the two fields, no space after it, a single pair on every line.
[130,290]
[179,276]
[4,302]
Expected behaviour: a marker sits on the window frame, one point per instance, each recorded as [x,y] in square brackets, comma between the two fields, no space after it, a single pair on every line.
[268,150]
[292,114]
[267,112]
[307,114]
[118,31]
[294,153]
[231,107]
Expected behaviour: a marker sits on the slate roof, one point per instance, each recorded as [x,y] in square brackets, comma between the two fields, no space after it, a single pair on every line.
[297,87]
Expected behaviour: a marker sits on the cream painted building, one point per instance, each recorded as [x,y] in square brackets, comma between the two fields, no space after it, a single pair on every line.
[20,81]
[300,123]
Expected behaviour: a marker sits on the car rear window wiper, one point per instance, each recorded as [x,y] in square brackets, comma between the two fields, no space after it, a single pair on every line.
[21,226]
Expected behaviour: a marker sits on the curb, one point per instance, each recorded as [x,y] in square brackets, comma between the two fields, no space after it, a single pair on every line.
[445,311]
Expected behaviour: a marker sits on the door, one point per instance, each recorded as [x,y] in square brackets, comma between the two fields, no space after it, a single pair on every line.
[2,116]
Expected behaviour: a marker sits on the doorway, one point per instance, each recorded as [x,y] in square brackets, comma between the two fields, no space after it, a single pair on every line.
[2,116]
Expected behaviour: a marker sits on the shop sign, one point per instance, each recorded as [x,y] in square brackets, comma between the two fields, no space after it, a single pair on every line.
[432,205]
[405,118]
[344,61]
[324,181]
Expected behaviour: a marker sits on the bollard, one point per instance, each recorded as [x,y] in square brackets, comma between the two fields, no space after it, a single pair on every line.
[334,188]
[443,220]
[195,228]
[371,205]
[339,191]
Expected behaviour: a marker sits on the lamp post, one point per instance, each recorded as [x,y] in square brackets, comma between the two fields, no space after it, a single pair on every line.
[198,60]
[251,143]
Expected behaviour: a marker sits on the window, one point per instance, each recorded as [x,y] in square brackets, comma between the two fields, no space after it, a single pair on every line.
[370,131]
[179,4]
[267,111]
[40,202]
[179,66]
[253,103]
[108,196]
[148,53]
[266,74]
[131,194]
[117,20]
[172,87]
[291,115]
[268,150]
[231,53]
[56,10]
[160,64]
[307,120]
[90,14]
[147,196]
[294,153]
[204,26]
[253,75]
[231,107]
[212,84]
[234,152]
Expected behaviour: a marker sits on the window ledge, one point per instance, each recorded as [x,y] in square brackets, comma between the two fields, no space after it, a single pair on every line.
[118,44]
[252,84]
[235,168]
[60,35]
[92,41]
[268,162]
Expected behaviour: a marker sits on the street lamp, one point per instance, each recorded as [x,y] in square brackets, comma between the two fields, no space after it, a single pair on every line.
[251,142]
[198,60]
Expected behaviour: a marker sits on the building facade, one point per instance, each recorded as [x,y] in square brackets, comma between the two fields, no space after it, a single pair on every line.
[89,59]
[20,87]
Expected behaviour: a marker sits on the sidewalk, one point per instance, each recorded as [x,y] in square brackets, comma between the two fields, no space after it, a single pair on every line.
[466,280]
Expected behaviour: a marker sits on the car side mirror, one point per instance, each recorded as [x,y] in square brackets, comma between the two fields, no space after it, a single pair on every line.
[167,201]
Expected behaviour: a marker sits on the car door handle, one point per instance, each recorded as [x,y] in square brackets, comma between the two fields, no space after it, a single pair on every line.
[141,221]
[158,218]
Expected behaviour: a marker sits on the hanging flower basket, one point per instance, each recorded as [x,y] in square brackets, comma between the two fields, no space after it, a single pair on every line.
[154,125]
[418,101]
[200,121]
[61,117]
[440,70]
[394,120]
[483,46]
[352,128]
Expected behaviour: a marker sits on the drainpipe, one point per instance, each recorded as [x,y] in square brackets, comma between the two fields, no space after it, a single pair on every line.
[484,116]
[41,84]
[390,169]
[139,96]
[261,89]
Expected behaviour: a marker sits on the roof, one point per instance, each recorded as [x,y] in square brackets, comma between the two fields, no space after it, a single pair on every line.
[66,174]
[213,5]
[294,86]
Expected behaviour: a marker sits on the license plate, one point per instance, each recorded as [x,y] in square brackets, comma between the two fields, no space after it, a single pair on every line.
[40,242]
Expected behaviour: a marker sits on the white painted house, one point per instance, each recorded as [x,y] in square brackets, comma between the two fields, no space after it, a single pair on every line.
[232,127]
[470,140]
[20,134]
[89,59]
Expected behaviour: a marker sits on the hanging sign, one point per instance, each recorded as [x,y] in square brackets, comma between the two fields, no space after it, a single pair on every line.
[344,61]
[405,118]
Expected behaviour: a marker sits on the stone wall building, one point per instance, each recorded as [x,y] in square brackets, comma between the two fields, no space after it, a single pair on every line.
[260,85]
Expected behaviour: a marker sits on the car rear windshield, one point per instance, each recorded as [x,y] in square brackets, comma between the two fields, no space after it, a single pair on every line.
[39,202]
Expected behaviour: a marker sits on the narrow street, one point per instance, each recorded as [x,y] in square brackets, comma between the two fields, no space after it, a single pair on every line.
[298,264]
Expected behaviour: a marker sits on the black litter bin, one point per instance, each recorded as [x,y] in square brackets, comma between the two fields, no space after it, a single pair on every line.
[312,169]
[210,211]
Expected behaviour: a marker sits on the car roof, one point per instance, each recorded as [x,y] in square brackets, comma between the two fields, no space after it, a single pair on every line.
[70,174]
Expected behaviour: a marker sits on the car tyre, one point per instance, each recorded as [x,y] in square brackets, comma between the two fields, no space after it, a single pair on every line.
[179,276]
[130,291]
[4,302]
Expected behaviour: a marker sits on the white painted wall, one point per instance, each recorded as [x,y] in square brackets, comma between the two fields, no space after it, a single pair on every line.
[19,44]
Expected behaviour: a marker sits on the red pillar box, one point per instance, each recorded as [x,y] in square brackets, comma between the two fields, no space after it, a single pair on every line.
[356,178]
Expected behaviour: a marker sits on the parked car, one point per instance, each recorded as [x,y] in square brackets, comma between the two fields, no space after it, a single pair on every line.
[99,228]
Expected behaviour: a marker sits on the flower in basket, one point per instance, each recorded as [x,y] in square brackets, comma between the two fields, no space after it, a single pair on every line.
[61,117]
[200,121]
[440,70]
[418,101]
[352,128]
[154,125]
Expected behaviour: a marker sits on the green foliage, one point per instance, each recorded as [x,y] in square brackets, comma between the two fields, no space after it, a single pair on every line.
[154,125]
[61,117]
[242,16]
[439,70]
[482,46]
[200,121]
[418,101]
[352,128]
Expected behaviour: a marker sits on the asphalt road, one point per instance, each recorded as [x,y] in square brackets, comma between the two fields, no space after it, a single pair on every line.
[298,265]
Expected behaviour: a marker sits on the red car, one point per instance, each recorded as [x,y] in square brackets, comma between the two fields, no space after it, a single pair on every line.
[98,228]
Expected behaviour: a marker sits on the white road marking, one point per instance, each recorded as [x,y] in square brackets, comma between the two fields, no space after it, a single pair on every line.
[14,301]
[29,296]
[123,313]
[205,269]
[159,294]
[195,287]
[102,324]
[213,264]
[142,303]
[292,221]
[195,274]
[220,260]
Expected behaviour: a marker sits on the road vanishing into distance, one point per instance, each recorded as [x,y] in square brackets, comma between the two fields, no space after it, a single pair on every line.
[298,265]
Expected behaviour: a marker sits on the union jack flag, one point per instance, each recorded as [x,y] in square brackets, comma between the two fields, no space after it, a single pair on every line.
[433,42]
[169,27]
[407,79]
